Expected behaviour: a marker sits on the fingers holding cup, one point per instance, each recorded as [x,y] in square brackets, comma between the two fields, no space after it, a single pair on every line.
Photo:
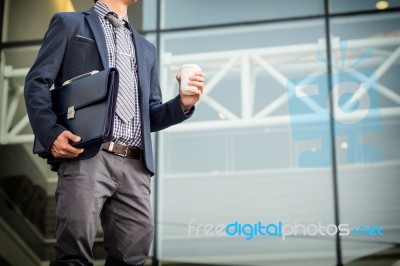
[191,79]
[197,81]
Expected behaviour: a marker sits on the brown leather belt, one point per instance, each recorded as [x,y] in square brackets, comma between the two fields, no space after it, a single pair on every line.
[122,150]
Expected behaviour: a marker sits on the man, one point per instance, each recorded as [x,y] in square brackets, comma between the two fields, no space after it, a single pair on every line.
[111,179]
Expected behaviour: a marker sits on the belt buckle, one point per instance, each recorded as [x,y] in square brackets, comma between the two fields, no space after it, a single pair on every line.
[126,152]
[111,146]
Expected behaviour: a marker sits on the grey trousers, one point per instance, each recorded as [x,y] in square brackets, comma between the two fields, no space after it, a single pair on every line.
[117,189]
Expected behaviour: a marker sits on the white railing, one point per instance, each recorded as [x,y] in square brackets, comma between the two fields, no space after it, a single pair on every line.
[248,64]
[11,96]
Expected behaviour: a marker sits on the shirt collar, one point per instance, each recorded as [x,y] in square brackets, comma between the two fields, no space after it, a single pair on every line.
[103,10]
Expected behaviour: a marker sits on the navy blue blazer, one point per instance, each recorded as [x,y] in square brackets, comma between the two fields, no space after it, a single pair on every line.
[75,44]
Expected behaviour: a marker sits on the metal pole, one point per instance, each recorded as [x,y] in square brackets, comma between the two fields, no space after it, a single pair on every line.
[332,132]
[155,260]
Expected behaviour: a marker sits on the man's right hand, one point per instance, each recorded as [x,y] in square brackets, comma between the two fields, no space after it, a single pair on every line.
[61,147]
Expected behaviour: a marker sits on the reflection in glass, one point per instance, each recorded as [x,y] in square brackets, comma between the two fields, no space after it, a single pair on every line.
[366,54]
[339,6]
[189,13]
[236,159]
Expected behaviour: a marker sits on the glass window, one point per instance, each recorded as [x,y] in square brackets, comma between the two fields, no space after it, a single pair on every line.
[189,13]
[236,159]
[151,37]
[149,11]
[340,6]
[367,98]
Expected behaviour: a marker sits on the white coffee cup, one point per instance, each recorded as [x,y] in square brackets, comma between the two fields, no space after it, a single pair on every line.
[186,71]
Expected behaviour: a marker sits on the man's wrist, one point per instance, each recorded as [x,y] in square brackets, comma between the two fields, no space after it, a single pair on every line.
[185,108]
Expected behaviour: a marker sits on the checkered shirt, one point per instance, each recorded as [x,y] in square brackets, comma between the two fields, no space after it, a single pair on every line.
[129,134]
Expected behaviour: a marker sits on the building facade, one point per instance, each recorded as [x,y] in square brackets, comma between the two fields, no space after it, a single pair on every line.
[298,126]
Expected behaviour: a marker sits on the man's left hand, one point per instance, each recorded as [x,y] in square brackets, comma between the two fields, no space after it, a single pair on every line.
[197,80]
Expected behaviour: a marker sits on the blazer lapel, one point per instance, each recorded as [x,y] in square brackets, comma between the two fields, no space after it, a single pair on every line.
[140,60]
[98,34]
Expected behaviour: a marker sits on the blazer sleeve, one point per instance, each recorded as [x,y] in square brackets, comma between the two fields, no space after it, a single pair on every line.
[41,77]
[163,115]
